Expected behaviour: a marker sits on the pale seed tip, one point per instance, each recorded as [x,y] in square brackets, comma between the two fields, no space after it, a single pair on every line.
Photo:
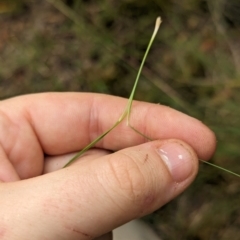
[158,22]
[157,25]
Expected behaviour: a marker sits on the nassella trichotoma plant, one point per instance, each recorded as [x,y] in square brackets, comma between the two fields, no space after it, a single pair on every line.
[127,112]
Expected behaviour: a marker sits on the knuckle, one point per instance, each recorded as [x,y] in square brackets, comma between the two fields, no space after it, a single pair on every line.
[128,176]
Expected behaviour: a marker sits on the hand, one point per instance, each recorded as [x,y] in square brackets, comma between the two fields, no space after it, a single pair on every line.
[100,191]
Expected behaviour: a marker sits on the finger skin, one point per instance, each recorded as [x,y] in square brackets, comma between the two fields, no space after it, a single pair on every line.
[53,163]
[60,123]
[91,198]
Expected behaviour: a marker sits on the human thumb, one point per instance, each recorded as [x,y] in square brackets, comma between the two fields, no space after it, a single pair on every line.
[91,198]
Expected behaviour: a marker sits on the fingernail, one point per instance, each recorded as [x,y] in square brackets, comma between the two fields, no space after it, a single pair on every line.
[178,159]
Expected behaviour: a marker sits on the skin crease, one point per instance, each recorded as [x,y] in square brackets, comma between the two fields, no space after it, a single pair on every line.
[39,132]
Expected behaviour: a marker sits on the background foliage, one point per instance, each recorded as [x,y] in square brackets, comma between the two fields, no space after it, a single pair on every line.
[193,66]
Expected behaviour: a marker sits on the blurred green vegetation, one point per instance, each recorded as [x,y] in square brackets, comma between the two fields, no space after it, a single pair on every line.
[193,66]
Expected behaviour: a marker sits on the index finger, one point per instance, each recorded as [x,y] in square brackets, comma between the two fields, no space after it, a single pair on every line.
[66,122]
